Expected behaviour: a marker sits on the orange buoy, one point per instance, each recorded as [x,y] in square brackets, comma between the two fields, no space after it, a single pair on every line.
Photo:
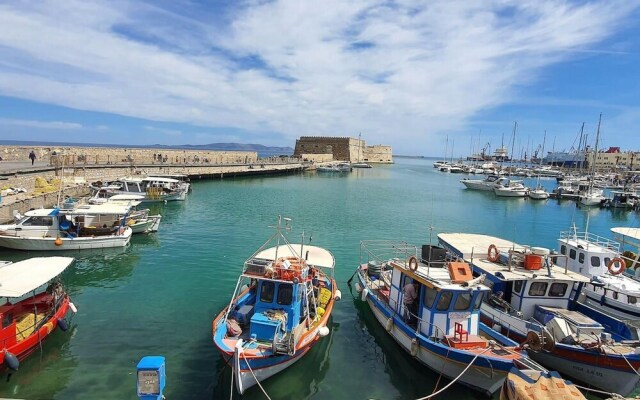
[493,254]
[58,241]
[616,266]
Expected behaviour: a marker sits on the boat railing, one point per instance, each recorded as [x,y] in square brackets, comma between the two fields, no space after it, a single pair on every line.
[592,239]
[382,250]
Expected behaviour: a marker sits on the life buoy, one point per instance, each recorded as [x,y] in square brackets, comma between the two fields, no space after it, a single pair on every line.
[413,263]
[493,254]
[620,263]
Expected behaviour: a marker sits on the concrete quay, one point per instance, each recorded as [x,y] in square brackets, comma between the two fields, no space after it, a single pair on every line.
[76,179]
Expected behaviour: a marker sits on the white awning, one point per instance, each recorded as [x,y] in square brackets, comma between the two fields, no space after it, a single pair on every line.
[633,233]
[20,278]
[316,256]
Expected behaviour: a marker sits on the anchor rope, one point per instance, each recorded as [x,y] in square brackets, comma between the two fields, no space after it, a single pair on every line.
[254,376]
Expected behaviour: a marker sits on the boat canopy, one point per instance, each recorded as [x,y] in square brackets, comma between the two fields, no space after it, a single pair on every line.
[20,278]
[126,197]
[631,233]
[160,179]
[316,256]
[42,212]
[104,209]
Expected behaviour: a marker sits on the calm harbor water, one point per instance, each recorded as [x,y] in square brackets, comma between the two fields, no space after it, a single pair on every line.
[160,295]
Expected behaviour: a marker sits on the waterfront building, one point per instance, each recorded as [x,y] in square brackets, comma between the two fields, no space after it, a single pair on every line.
[342,149]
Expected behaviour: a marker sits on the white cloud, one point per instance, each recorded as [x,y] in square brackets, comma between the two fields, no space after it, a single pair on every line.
[169,132]
[398,72]
[40,124]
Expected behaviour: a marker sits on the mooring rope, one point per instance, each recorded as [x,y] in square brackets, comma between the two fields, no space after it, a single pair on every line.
[457,377]
[613,395]
[254,377]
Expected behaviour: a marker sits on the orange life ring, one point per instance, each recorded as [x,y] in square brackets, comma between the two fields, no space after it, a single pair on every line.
[616,261]
[413,263]
[493,254]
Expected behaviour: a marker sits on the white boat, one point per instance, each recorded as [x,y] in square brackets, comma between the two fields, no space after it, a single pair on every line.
[51,229]
[361,165]
[539,193]
[487,184]
[456,169]
[602,260]
[592,197]
[154,189]
[138,220]
[512,188]
[531,301]
[335,167]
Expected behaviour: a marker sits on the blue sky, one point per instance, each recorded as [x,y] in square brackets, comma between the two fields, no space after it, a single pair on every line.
[402,73]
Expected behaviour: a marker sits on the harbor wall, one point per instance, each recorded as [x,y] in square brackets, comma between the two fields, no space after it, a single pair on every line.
[343,149]
[65,155]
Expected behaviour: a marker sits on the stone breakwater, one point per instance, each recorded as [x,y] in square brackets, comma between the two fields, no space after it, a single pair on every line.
[75,168]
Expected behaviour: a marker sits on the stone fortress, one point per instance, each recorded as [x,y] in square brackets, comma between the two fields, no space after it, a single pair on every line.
[323,149]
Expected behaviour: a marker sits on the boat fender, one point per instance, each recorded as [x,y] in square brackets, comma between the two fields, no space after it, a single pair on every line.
[616,266]
[62,324]
[414,347]
[58,241]
[73,307]
[389,325]
[358,287]
[324,331]
[338,295]
[11,360]
[365,293]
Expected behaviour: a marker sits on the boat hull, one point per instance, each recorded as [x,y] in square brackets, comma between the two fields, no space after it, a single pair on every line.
[79,243]
[447,361]
[476,184]
[510,192]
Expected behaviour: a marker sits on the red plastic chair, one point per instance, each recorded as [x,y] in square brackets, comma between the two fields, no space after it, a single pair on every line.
[458,331]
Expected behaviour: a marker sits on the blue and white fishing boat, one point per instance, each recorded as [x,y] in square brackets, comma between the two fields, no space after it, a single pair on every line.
[279,309]
[443,329]
[531,303]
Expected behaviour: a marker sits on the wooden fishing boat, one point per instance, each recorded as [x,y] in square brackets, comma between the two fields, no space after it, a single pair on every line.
[280,308]
[28,320]
[55,229]
[441,328]
[532,304]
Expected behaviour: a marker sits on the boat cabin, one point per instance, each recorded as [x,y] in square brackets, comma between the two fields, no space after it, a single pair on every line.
[586,253]
[445,306]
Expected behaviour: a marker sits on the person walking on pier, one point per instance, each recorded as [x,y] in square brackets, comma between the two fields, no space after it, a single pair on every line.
[32,157]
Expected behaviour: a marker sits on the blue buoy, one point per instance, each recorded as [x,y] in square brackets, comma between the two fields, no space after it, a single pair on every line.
[62,324]
[11,360]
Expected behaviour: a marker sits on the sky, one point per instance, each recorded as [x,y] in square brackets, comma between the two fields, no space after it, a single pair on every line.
[427,78]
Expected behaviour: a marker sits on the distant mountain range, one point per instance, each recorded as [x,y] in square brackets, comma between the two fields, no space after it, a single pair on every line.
[260,149]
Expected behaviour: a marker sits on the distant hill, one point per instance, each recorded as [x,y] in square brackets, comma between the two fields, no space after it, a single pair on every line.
[260,149]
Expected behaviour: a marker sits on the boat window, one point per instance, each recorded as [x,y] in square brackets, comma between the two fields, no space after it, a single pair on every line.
[572,254]
[478,302]
[615,295]
[595,261]
[266,292]
[607,260]
[429,296]
[39,221]
[463,302]
[563,249]
[632,299]
[517,286]
[444,301]
[581,258]
[558,289]
[538,289]
[285,294]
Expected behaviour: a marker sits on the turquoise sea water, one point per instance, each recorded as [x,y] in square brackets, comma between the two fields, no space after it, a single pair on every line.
[160,295]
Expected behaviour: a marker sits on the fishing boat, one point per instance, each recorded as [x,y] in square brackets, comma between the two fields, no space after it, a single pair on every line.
[335,167]
[54,229]
[537,385]
[154,189]
[531,303]
[137,219]
[32,311]
[603,261]
[440,324]
[279,310]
